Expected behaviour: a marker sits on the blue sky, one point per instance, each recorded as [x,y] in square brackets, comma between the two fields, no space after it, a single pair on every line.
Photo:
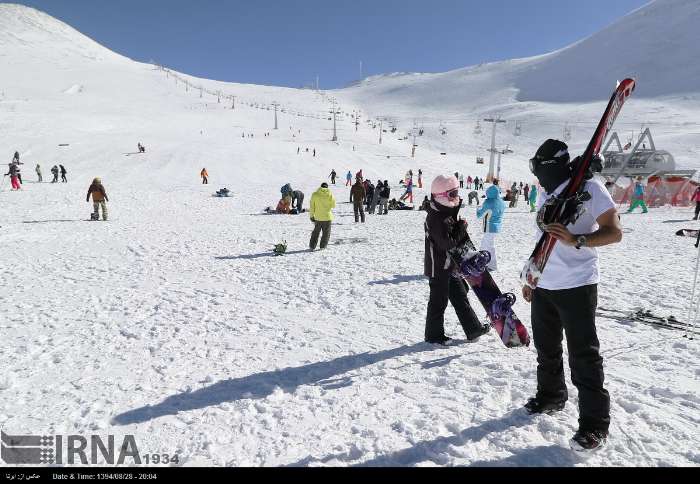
[289,42]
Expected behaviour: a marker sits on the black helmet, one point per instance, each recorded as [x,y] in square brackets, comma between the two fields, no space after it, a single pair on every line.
[554,151]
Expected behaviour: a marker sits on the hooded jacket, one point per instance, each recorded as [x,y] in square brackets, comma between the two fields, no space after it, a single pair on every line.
[494,207]
[437,239]
[533,194]
[358,193]
[322,204]
[98,193]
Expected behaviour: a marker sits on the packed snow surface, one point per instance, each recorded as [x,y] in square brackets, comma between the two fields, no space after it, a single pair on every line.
[174,322]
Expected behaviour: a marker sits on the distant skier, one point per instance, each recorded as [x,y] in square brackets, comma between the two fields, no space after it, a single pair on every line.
[696,199]
[526,193]
[638,197]
[205,176]
[444,231]
[99,199]
[13,174]
[566,299]
[142,149]
[461,180]
[492,213]
[408,194]
[15,157]
[384,195]
[357,197]
[321,211]
[533,198]
[476,183]
[420,178]
[374,199]
[38,173]
[333,176]
[63,174]
[469,182]
[369,190]
[348,178]
[54,171]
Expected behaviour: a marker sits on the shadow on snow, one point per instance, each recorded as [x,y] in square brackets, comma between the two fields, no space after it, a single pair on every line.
[327,374]
[398,279]
[439,449]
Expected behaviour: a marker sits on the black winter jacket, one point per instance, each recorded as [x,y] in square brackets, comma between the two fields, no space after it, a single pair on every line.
[438,240]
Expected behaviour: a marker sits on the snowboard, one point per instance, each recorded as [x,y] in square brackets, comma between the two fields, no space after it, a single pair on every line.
[688,233]
[471,265]
[565,207]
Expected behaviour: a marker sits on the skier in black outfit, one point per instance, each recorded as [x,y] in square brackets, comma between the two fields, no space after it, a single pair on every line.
[566,298]
[63,174]
[333,176]
[444,231]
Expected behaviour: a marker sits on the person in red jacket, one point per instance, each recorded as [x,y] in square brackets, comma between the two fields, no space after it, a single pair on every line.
[696,199]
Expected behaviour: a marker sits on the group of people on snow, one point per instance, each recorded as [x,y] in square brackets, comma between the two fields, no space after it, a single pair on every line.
[15,174]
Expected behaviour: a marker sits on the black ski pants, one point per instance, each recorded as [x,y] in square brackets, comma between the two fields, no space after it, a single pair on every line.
[443,289]
[571,311]
[319,227]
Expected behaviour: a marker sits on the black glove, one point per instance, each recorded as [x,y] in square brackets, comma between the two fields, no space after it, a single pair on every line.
[458,231]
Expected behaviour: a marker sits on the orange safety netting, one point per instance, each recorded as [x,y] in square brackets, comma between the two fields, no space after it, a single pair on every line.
[660,191]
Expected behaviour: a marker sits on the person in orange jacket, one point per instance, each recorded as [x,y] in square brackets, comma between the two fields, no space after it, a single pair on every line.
[205,176]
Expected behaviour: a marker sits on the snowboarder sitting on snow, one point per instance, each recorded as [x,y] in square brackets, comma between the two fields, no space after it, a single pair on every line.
[99,199]
[424,205]
[445,231]
[396,205]
[566,298]
[224,192]
[284,206]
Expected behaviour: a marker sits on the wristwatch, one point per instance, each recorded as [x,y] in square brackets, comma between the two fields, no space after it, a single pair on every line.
[580,241]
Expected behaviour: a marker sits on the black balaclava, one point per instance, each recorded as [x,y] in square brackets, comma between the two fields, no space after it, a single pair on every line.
[551,164]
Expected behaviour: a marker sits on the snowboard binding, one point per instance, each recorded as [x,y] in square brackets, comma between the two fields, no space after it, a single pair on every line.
[475,265]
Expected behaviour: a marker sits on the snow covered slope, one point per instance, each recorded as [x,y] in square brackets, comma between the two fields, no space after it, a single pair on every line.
[173,323]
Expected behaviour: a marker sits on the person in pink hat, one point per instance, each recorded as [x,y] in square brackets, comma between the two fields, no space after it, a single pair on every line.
[444,230]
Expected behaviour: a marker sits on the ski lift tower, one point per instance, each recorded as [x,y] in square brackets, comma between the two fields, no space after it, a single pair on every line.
[496,121]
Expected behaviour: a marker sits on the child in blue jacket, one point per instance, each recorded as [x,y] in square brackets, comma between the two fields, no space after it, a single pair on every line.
[492,213]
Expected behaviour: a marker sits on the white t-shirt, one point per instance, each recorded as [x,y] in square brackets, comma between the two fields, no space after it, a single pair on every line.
[568,267]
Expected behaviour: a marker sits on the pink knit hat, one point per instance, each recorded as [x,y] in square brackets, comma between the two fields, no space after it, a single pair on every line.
[441,186]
